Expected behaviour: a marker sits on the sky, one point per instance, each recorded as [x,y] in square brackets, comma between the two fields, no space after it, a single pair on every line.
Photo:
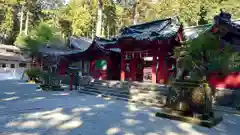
[66,1]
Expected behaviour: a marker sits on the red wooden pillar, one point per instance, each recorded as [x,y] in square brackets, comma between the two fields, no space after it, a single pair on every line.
[71,82]
[154,67]
[162,70]
[122,67]
[109,68]
[133,69]
[92,67]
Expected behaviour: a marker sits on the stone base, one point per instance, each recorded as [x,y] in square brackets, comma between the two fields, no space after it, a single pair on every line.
[50,88]
[176,115]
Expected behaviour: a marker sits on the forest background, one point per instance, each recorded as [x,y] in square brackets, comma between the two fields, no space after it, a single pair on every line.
[87,18]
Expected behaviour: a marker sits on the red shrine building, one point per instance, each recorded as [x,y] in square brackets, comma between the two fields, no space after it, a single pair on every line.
[143,52]
[140,53]
[146,50]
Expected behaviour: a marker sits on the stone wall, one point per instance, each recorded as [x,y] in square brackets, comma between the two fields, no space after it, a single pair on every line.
[228,97]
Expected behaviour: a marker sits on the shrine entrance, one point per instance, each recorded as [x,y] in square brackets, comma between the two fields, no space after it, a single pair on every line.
[145,49]
[144,66]
[147,70]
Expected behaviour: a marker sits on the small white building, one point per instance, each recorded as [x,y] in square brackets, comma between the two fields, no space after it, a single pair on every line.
[11,57]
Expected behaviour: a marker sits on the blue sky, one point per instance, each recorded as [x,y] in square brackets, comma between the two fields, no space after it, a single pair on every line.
[66,1]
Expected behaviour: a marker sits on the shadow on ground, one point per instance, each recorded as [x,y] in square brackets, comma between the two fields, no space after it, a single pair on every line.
[67,113]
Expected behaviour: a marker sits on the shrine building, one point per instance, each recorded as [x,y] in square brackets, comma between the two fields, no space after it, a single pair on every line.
[140,53]
[144,52]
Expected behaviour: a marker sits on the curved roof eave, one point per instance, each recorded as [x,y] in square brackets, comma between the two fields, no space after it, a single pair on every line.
[80,42]
[167,28]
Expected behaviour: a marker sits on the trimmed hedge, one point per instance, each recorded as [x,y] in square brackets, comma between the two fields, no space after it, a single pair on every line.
[34,74]
[51,88]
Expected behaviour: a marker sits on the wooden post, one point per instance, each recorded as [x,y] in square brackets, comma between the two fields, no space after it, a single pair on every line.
[162,70]
[109,73]
[122,67]
[92,67]
[76,81]
[154,67]
[133,69]
[71,82]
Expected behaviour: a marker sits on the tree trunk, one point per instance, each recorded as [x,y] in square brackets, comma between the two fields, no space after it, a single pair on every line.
[103,28]
[92,34]
[26,23]
[99,18]
[69,39]
[108,31]
[21,20]
[15,25]
[135,14]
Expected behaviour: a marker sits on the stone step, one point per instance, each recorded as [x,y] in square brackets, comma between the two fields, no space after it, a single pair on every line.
[135,92]
[152,87]
[145,102]
[132,90]
[118,84]
[135,97]
[140,94]
[132,87]
[106,89]
[107,92]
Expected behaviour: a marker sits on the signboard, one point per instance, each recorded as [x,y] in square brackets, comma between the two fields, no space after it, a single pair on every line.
[79,73]
[101,64]
[147,74]
[235,67]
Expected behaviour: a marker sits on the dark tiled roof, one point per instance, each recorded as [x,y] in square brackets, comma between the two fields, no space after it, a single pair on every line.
[194,31]
[225,19]
[104,41]
[108,44]
[160,29]
[80,43]
[232,35]
[149,26]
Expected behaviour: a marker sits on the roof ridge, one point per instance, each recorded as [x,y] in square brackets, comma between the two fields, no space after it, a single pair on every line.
[155,21]
[104,39]
[209,24]
[83,38]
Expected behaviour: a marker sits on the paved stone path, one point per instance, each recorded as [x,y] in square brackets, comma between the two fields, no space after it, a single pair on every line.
[24,110]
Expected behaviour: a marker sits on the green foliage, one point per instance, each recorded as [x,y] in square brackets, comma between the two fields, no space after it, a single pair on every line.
[34,73]
[232,6]
[83,14]
[20,40]
[110,19]
[7,24]
[11,9]
[79,16]
[207,47]
[41,35]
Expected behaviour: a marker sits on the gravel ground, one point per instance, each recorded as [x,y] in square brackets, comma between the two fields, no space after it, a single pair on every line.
[25,110]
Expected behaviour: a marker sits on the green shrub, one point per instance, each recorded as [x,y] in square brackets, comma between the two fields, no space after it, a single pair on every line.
[34,74]
[47,87]
[218,59]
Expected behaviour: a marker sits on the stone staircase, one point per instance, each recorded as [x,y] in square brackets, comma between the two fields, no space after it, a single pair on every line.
[145,93]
